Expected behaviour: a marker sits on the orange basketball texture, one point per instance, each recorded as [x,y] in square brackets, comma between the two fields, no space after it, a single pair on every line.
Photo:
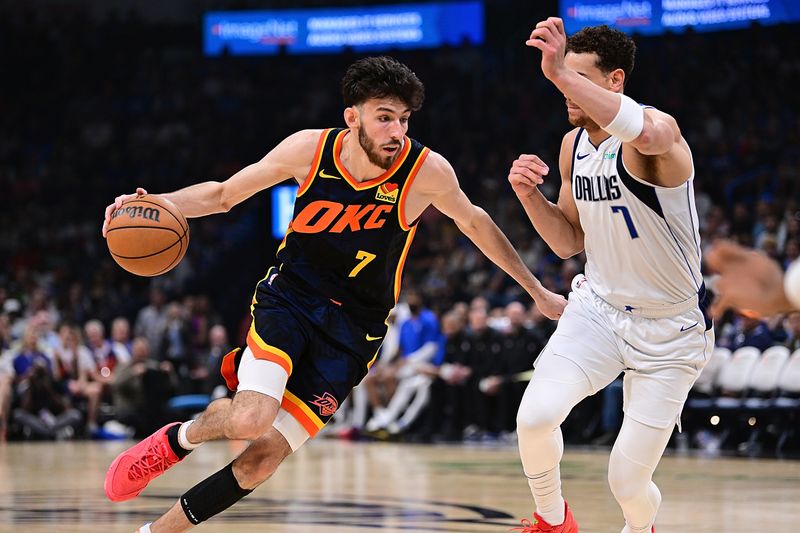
[147,236]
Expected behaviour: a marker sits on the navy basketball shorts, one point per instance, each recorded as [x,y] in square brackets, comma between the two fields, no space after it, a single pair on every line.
[324,349]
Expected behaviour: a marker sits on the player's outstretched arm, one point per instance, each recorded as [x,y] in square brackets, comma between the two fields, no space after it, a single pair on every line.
[749,280]
[558,224]
[438,182]
[291,158]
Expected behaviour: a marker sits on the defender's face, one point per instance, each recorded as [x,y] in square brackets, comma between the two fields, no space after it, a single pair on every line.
[586,65]
[383,122]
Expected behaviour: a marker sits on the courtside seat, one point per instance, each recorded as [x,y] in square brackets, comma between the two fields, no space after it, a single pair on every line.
[789,384]
[764,377]
[735,377]
[707,383]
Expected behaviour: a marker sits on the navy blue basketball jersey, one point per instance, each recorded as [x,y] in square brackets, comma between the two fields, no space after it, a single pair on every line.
[348,240]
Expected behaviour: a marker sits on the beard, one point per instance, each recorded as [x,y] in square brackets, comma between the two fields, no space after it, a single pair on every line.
[373,154]
[583,121]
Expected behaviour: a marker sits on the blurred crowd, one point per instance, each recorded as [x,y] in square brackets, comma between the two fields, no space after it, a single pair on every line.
[118,102]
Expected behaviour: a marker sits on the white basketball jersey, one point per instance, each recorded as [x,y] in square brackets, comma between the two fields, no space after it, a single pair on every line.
[642,240]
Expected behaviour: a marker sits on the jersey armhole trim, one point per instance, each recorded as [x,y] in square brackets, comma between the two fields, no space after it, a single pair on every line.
[401,203]
[574,151]
[640,189]
[398,273]
[312,173]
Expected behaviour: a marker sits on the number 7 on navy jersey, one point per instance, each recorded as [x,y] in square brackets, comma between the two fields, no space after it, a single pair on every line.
[628,220]
[364,258]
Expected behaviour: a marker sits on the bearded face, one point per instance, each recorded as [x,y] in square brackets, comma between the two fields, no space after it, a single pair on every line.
[382,156]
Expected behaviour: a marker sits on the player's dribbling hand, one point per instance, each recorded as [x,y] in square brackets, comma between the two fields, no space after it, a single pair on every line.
[550,304]
[748,280]
[118,201]
[527,172]
[549,37]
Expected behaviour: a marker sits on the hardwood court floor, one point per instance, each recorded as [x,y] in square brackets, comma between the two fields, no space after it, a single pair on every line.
[344,487]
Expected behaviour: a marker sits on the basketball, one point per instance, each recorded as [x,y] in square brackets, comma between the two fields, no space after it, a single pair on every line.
[147,236]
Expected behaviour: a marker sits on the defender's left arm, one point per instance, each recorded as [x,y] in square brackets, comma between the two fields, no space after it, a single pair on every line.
[438,183]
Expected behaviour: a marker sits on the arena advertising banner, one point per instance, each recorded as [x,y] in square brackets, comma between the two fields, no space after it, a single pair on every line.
[332,30]
[658,16]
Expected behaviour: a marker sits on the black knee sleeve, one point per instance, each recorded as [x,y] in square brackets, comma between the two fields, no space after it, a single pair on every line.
[212,496]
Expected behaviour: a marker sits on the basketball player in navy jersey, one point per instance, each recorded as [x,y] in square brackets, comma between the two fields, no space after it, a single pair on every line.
[626,199]
[319,316]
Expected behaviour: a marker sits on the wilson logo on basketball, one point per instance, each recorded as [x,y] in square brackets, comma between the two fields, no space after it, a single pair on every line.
[324,215]
[149,213]
[327,404]
[387,192]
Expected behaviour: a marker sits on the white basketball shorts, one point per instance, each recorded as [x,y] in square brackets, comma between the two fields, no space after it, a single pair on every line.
[661,357]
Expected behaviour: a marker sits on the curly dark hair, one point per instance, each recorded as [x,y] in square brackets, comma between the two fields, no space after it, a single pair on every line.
[614,49]
[379,77]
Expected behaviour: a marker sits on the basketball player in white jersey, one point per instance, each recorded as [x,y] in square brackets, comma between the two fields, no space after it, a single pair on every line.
[626,198]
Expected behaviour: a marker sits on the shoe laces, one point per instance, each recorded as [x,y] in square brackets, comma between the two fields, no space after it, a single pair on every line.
[534,527]
[526,527]
[155,461]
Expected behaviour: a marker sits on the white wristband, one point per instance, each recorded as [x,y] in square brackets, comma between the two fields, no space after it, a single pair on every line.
[629,122]
[791,284]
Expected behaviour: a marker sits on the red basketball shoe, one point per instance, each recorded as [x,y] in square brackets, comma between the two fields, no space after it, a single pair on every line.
[569,525]
[134,468]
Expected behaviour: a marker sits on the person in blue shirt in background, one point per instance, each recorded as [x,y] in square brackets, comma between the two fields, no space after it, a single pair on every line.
[748,331]
[420,347]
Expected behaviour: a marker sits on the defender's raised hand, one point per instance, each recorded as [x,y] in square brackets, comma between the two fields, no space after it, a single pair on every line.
[118,201]
[549,37]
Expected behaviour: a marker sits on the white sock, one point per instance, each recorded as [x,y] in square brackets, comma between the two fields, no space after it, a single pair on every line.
[629,529]
[183,440]
[546,489]
[145,528]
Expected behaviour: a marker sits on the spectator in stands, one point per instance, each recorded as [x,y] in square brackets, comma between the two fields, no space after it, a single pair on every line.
[485,360]
[28,355]
[747,331]
[200,320]
[121,338]
[505,387]
[77,371]
[151,320]
[141,389]
[77,307]
[102,350]
[206,374]
[48,338]
[352,415]
[106,360]
[419,346]
[446,417]
[43,411]
[175,340]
